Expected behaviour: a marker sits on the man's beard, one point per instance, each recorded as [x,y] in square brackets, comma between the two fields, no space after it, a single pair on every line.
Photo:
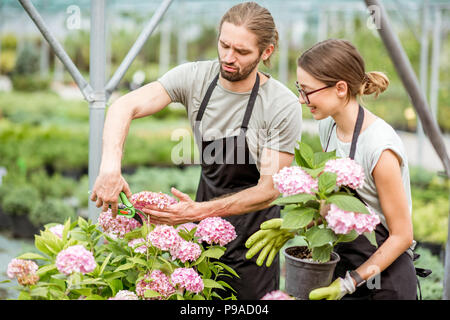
[239,74]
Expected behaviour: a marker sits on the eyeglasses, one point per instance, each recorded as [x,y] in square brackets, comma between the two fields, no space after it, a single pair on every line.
[306,94]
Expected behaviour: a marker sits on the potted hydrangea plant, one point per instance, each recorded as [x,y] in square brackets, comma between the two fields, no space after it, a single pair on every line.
[120,259]
[321,207]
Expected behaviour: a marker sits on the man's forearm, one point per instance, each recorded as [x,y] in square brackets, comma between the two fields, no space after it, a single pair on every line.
[117,124]
[248,200]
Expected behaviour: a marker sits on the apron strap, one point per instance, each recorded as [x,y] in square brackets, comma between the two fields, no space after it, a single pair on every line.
[356,132]
[250,105]
[205,101]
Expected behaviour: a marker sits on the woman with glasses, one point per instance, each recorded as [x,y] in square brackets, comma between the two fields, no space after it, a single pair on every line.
[331,81]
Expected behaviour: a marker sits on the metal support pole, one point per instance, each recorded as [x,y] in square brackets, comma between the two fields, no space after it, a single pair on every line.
[97,68]
[423,74]
[435,62]
[57,48]
[406,73]
[137,46]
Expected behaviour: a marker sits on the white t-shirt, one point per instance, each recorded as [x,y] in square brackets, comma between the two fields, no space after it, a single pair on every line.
[376,138]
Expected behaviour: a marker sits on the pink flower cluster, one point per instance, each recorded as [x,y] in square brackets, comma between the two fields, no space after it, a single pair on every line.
[23,270]
[277,295]
[125,295]
[57,230]
[142,248]
[143,199]
[294,180]
[188,226]
[156,281]
[164,237]
[342,222]
[116,227]
[187,278]
[75,259]
[348,171]
[215,230]
[186,251]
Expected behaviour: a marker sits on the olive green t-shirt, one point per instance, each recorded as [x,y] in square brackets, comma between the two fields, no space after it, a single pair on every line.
[275,122]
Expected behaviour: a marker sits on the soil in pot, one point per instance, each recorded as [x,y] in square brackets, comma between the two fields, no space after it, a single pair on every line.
[299,252]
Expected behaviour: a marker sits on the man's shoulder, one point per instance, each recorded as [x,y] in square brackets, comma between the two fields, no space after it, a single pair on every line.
[277,91]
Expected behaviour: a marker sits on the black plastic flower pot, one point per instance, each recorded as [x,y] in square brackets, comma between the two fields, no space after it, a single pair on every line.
[304,275]
[23,228]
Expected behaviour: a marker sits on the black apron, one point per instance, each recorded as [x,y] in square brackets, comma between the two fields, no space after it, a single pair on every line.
[228,167]
[398,281]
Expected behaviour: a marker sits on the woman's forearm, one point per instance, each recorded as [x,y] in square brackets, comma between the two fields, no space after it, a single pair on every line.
[385,255]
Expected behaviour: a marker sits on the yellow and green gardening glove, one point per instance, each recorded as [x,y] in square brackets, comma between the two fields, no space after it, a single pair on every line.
[336,290]
[268,240]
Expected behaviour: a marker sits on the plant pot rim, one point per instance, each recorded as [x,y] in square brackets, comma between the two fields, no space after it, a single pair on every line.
[334,257]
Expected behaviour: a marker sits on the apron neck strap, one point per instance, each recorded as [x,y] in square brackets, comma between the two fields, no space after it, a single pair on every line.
[356,132]
[251,104]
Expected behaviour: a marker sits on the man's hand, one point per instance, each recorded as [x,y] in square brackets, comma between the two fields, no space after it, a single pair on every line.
[186,210]
[269,240]
[106,191]
[336,290]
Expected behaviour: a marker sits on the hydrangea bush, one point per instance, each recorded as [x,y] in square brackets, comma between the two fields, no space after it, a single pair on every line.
[320,201]
[120,259]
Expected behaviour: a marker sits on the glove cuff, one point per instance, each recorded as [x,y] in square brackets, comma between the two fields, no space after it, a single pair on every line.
[347,284]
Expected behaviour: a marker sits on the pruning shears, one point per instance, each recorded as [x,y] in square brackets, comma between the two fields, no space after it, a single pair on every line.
[127,209]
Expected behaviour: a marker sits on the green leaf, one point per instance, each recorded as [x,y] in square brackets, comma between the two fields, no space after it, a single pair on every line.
[318,236]
[210,283]
[228,268]
[327,182]
[214,252]
[115,284]
[299,159]
[371,237]
[198,297]
[297,198]
[298,218]
[306,154]
[32,256]
[320,158]
[352,235]
[66,230]
[102,268]
[45,269]
[125,266]
[322,253]
[314,173]
[151,294]
[348,203]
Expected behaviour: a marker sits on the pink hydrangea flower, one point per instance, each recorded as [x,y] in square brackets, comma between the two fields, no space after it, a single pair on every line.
[342,222]
[75,259]
[188,226]
[215,230]
[186,251]
[124,295]
[142,248]
[277,295]
[348,171]
[156,281]
[188,279]
[23,270]
[294,180]
[57,230]
[145,198]
[116,227]
[164,237]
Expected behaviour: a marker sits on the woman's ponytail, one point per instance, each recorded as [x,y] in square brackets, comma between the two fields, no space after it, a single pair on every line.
[374,82]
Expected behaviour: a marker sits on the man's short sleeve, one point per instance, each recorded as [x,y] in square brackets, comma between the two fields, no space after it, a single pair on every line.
[285,129]
[178,82]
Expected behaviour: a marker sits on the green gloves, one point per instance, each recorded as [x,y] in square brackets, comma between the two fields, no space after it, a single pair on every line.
[269,240]
[336,290]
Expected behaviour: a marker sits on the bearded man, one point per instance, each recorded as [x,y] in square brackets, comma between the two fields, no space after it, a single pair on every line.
[246,125]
